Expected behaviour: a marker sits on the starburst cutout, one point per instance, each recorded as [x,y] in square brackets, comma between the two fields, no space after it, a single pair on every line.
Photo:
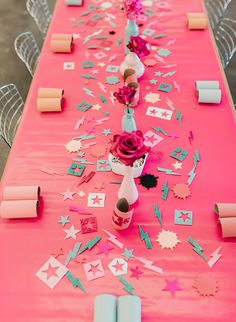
[206,285]
[167,239]
[73,146]
[98,151]
[152,97]
[181,190]
[148,181]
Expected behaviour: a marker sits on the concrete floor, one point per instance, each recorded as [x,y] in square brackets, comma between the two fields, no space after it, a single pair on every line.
[14,20]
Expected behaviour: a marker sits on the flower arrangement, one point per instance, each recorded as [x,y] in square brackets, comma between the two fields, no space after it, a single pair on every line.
[125,95]
[133,8]
[128,147]
[138,46]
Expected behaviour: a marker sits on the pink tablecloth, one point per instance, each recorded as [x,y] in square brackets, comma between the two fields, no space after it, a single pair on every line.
[25,245]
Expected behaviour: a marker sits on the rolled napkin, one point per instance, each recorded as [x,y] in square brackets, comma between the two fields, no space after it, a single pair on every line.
[21,193]
[50,92]
[207,85]
[49,104]
[129,309]
[68,37]
[18,208]
[105,308]
[60,46]
[74,2]
[122,214]
[196,20]
[227,218]
[212,96]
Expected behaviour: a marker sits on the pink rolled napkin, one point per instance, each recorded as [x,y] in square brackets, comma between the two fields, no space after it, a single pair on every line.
[21,193]
[227,218]
[50,92]
[49,104]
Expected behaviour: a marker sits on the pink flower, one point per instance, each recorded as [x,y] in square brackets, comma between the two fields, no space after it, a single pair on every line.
[139,46]
[129,147]
[133,8]
[125,95]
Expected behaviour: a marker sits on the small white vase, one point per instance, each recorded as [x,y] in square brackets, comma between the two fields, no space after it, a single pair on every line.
[128,189]
[132,61]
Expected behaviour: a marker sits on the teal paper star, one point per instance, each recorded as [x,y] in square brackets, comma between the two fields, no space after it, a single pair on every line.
[106,132]
[128,253]
[158,73]
[112,80]
[64,220]
[153,81]
[163,52]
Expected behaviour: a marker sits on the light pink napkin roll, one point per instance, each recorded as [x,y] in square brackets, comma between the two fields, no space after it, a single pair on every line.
[18,208]
[49,104]
[228,226]
[50,92]
[60,46]
[21,193]
[196,20]
[62,37]
[225,209]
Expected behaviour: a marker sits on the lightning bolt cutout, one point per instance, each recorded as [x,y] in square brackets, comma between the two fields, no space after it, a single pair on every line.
[75,281]
[90,244]
[72,253]
[165,190]
[113,239]
[197,248]
[157,213]
[144,236]
[215,256]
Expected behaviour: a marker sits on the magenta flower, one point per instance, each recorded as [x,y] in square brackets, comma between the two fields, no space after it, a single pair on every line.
[133,8]
[125,95]
[129,147]
[138,46]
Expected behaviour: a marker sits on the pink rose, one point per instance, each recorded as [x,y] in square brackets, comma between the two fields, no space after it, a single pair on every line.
[139,46]
[129,147]
[133,8]
[125,95]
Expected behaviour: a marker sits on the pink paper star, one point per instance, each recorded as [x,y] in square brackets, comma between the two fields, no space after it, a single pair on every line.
[94,269]
[104,248]
[136,272]
[150,139]
[67,194]
[51,271]
[96,200]
[153,112]
[184,216]
[103,165]
[172,286]
[118,267]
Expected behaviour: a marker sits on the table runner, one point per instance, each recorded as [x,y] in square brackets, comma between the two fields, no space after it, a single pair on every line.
[40,146]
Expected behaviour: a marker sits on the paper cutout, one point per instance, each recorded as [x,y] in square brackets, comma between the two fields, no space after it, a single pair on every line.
[112,68]
[104,248]
[73,146]
[153,81]
[75,166]
[72,253]
[112,80]
[181,190]
[101,64]
[167,239]
[157,213]
[71,232]
[163,87]
[81,193]
[118,266]
[183,217]
[88,76]
[83,106]
[86,178]
[93,270]
[206,285]
[103,165]
[179,154]
[165,189]
[148,181]
[215,256]
[87,64]
[88,92]
[152,97]
[51,272]
[75,281]
[135,272]
[128,287]
[90,244]
[98,151]
[196,247]
[96,199]
[172,286]
[191,176]
[128,253]
[164,52]
[88,225]
[106,132]
[99,185]
[67,194]
[149,265]
[168,171]
[177,165]
[100,55]
[58,253]
[68,66]
[64,220]
[144,236]
[159,112]
[113,239]
[96,107]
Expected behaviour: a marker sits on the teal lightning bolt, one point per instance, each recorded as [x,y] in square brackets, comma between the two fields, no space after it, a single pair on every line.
[75,281]
[88,91]
[179,116]
[196,158]
[72,253]
[191,175]
[158,130]
[165,190]
[103,99]
[90,244]
[128,287]
[197,248]
[157,213]
[88,76]
[168,171]
[144,236]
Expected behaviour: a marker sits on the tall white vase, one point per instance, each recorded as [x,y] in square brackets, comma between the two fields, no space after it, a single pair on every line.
[128,187]
[132,61]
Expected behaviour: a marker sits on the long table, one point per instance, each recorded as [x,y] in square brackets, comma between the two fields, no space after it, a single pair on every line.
[38,157]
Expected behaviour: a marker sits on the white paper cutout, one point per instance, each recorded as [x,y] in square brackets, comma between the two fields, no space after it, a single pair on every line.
[118,266]
[69,66]
[152,139]
[94,270]
[159,112]
[96,199]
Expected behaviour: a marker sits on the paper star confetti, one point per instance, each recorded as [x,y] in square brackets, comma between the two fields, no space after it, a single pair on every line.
[106,132]
[71,232]
[96,199]
[96,107]
[152,139]
[135,272]
[206,285]
[68,194]
[183,217]
[81,193]
[51,272]
[167,239]
[128,253]
[172,286]
[104,248]
[181,190]
[64,220]
[93,270]
[101,64]
[152,97]
[118,266]
[103,165]
[88,225]
[177,165]
[73,146]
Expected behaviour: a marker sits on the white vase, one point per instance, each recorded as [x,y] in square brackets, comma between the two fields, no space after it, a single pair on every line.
[128,189]
[132,61]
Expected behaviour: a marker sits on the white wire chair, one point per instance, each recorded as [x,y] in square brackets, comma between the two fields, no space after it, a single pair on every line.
[226,40]
[11,107]
[39,11]
[28,50]
[216,11]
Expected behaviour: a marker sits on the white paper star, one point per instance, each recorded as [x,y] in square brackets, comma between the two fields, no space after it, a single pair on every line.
[96,107]
[101,64]
[177,165]
[71,232]
[67,194]
[81,193]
